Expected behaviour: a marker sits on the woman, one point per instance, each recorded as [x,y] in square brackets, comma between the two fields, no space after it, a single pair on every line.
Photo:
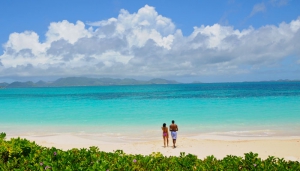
[165,134]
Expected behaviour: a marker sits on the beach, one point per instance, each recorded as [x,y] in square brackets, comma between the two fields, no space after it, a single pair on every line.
[201,145]
[214,119]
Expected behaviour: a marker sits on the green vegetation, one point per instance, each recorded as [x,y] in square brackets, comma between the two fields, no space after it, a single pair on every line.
[21,154]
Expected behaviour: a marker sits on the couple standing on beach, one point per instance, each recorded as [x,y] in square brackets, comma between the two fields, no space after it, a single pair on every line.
[173,130]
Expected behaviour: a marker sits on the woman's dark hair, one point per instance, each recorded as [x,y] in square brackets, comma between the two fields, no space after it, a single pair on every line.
[164,125]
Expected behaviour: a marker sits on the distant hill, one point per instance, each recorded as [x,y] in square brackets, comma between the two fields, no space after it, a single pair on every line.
[2,85]
[21,84]
[197,82]
[84,81]
[41,84]
[282,80]
[161,81]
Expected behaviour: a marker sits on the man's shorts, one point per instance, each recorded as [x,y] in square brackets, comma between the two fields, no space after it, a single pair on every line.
[174,135]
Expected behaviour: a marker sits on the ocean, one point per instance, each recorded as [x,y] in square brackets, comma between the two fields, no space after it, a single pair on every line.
[250,109]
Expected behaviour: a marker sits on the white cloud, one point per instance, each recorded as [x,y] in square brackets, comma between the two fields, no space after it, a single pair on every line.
[25,40]
[67,31]
[279,3]
[258,8]
[147,44]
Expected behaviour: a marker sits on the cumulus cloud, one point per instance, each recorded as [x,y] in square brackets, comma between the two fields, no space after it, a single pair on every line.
[67,31]
[147,44]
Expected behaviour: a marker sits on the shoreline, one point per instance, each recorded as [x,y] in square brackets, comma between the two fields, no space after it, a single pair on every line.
[149,132]
[202,145]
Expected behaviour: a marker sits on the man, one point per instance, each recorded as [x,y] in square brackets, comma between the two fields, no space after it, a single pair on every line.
[174,129]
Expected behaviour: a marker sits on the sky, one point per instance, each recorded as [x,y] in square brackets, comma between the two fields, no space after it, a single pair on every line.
[186,41]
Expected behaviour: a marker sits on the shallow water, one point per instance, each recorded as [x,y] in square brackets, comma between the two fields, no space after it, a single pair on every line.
[231,109]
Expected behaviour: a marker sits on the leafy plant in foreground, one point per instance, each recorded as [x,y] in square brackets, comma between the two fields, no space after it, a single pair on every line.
[21,154]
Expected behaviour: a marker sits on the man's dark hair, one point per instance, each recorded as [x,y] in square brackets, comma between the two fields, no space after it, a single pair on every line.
[173,121]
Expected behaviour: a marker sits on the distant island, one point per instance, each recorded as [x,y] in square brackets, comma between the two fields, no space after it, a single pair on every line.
[84,81]
[282,80]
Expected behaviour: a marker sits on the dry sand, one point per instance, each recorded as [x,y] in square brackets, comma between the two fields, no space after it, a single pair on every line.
[201,145]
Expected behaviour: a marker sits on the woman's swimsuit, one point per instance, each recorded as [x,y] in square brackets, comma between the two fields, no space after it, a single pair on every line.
[165,134]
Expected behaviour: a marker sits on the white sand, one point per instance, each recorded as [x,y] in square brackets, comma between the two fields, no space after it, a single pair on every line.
[201,145]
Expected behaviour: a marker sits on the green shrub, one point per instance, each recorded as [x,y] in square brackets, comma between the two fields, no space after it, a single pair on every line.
[21,154]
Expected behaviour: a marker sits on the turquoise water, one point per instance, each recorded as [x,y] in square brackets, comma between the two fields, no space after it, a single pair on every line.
[238,109]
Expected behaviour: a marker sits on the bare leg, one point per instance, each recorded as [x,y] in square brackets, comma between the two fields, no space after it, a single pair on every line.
[167,142]
[175,143]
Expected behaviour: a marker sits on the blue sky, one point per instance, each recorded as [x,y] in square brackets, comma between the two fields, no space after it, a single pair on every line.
[208,41]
